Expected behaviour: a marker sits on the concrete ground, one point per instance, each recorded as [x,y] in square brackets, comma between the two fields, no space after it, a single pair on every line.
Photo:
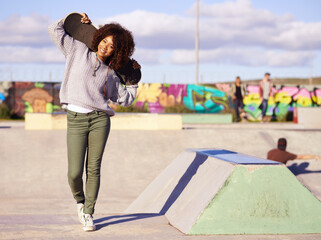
[36,203]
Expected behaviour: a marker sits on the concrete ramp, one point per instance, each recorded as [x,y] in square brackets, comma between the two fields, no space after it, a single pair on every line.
[173,181]
[216,191]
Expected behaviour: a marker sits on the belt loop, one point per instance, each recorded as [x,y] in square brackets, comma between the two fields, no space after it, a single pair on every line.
[75,114]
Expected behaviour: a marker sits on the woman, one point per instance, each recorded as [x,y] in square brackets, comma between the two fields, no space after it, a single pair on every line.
[238,91]
[89,82]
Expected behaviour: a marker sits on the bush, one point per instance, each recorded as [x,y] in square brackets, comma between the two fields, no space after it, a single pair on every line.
[129,109]
[5,112]
[180,108]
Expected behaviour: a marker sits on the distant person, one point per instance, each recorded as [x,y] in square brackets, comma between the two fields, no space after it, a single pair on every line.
[265,91]
[238,94]
[280,154]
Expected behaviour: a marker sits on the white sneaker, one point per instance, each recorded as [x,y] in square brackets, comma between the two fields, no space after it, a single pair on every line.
[81,215]
[89,223]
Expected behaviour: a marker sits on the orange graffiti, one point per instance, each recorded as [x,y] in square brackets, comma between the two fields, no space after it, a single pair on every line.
[38,98]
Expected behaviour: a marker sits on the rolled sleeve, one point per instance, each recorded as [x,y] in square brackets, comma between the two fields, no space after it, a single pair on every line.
[126,94]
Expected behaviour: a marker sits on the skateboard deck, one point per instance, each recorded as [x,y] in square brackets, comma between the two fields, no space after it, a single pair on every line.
[83,32]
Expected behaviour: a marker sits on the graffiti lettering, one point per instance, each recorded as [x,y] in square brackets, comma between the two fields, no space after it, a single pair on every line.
[204,99]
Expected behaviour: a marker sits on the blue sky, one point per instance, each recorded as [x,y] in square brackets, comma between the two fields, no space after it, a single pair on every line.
[237,37]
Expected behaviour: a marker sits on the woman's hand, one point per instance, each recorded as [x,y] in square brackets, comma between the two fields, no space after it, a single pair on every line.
[136,64]
[85,18]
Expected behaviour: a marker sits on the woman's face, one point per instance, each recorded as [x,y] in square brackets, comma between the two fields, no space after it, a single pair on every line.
[105,48]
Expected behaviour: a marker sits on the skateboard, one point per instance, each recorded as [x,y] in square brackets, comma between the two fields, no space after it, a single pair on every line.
[84,32]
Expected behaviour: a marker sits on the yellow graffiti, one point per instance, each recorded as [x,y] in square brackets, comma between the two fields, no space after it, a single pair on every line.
[252,98]
[271,101]
[304,101]
[283,97]
[149,92]
[316,99]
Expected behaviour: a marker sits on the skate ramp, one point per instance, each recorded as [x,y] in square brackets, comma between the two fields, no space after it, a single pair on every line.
[216,191]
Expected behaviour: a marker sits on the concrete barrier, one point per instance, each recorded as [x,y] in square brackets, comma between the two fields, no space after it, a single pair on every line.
[45,121]
[121,121]
[206,118]
[146,121]
[216,191]
[309,116]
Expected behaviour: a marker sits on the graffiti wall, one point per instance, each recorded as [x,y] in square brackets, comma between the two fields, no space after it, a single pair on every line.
[216,98]
[25,97]
[156,98]
[282,102]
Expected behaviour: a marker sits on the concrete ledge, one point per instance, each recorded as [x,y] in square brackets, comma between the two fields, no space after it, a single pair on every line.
[309,116]
[45,121]
[121,121]
[146,121]
[206,118]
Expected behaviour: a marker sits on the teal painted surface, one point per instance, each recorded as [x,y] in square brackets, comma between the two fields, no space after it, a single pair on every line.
[269,200]
[206,118]
[205,99]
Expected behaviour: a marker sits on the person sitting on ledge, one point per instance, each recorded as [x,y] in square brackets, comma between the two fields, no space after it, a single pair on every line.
[279,154]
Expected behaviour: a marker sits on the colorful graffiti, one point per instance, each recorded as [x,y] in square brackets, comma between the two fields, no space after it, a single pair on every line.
[33,97]
[156,98]
[282,102]
[4,90]
[205,99]
[216,98]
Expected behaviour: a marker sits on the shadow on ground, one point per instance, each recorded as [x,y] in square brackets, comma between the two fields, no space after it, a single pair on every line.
[117,219]
[301,168]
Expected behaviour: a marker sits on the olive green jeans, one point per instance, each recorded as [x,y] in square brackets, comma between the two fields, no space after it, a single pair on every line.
[86,139]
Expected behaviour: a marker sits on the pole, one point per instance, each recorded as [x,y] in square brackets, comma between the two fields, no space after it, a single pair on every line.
[197,42]
[311,66]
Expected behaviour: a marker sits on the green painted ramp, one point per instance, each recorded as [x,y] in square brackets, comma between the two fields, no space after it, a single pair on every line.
[217,191]
[263,200]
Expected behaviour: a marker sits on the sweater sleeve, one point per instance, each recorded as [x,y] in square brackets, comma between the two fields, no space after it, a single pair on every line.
[125,95]
[60,38]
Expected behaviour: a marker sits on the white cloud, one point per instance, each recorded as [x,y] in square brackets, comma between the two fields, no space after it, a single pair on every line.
[231,31]
[25,31]
[11,54]
[156,30]
[224,24]
[147,56]
[241,56]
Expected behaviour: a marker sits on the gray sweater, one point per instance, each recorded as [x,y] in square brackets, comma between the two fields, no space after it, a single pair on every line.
[83,83]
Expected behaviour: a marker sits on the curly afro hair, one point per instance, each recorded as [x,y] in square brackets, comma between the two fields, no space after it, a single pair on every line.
[123,43]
